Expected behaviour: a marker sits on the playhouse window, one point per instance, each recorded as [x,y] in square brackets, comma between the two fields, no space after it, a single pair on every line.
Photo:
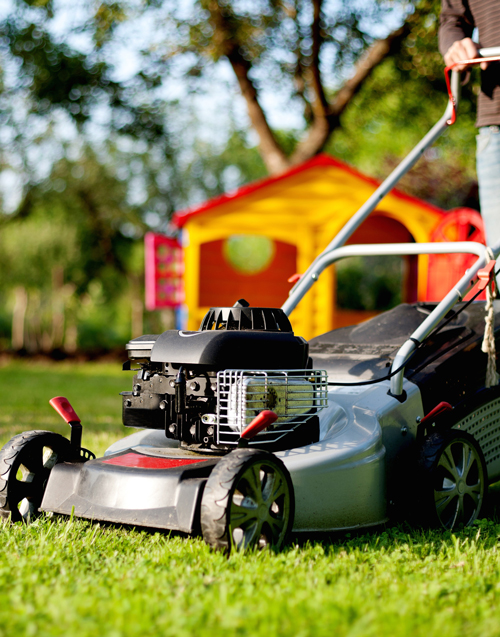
[249,254]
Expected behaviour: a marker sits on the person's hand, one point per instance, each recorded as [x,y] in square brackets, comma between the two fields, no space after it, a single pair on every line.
[460,50]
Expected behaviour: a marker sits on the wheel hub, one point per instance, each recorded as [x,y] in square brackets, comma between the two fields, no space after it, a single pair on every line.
[263,512]
[460,478]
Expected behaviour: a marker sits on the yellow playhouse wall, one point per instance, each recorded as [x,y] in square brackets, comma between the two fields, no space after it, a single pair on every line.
[307,213]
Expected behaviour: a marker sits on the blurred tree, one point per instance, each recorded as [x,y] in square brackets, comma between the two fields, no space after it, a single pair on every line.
[73,72]
[369,283]
[306,48]
[60,84]
[365,99]
[53,74]
[316,52]
[71,231]
[216,171]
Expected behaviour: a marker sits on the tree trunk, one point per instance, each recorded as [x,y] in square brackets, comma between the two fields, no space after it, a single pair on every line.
[325,122]
[58,303]
[137,307]
[18,318]
[71,337]
[137,318]
[325,114]
[33,331]
[270,151]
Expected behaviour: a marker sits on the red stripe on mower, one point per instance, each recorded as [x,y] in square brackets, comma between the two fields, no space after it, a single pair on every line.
[151,462]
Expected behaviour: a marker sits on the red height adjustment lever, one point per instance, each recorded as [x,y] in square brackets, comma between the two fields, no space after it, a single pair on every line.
[260,422]
[438,409]
[66,411]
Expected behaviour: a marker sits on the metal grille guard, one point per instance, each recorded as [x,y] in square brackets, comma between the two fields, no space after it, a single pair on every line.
[294,395]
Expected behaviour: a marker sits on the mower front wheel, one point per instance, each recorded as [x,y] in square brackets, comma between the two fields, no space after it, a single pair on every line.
[248,502]
[25,465]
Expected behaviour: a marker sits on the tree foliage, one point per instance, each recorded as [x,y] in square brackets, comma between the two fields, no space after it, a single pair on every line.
[352,89]
[54,74]
[305,48]
[398,104]
[69,251]
[101,156]
[68,237]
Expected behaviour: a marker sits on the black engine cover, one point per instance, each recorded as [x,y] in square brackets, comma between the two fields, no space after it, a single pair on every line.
[218,349]
[176,386]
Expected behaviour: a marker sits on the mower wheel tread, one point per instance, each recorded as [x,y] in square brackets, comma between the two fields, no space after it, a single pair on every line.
[216,495]
[9,465]
[220,488]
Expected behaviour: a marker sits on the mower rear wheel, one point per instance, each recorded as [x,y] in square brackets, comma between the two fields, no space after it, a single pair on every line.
[453,479]
[248,502]
[25,465]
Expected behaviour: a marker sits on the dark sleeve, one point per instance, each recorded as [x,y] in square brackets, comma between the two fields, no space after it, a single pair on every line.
[455,23]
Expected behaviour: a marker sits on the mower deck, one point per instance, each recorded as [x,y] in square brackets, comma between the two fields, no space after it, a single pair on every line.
[132,488]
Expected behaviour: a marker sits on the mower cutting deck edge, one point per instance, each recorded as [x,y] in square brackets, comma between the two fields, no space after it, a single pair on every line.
[246,431]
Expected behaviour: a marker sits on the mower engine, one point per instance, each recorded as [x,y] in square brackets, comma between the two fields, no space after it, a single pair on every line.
[203,388]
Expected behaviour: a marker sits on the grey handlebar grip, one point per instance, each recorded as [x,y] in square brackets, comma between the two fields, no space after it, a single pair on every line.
[490,52]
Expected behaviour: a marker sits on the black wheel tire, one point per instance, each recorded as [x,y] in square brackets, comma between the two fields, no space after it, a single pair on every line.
[25,465]
[248,502]
[452,479]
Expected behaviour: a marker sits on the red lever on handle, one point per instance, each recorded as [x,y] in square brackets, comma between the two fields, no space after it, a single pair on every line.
[260,422]
[64,409]
[294,278]
[485,274]
[447,71]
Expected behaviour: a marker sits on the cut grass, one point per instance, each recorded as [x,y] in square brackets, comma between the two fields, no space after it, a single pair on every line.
[71,577]
[60,576]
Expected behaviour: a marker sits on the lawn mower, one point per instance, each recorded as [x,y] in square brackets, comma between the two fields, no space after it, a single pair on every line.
[247,432]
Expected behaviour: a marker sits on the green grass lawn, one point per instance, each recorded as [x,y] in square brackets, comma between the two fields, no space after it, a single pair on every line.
[92,388]
[74,578]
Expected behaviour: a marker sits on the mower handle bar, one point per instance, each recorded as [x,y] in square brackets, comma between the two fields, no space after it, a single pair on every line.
[492,51]
[326,259]
[491,54]
[298,290]
[455,295]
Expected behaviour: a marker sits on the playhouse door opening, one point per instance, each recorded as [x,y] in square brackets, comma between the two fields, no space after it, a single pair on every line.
[366,286]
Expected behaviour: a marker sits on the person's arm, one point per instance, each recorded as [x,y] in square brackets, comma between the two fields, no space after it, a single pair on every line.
[456,25]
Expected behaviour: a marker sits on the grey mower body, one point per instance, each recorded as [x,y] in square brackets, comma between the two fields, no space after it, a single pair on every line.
[348,458]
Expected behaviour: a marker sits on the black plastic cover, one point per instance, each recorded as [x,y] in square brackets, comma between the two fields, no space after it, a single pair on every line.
[447,367]
[232,349]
